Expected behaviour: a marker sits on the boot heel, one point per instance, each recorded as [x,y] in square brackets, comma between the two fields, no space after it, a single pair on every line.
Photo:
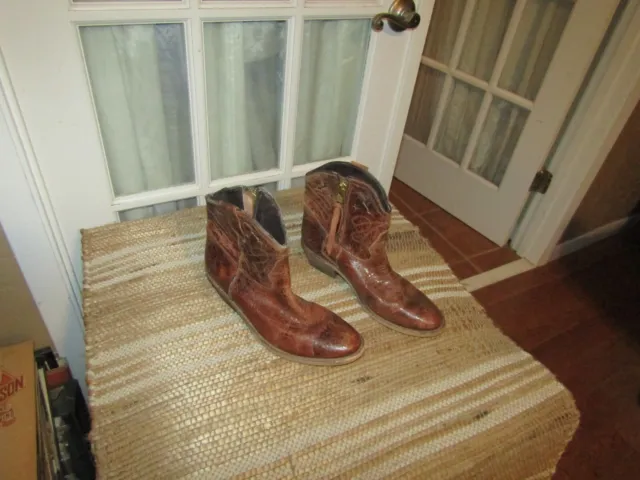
[319,263]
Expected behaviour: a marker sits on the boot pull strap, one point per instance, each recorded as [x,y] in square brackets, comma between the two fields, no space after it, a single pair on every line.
[249,200]
[335,220]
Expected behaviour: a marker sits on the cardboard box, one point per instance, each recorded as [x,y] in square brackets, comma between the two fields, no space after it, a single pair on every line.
[18,455]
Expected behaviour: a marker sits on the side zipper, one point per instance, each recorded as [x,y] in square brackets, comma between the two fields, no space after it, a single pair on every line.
[337,214]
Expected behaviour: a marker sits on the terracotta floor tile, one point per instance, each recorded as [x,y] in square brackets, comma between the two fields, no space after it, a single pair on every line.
[450,254]
[446,224]
[402,207]
[416,201]
[464,269]
[494,259]
[460,235]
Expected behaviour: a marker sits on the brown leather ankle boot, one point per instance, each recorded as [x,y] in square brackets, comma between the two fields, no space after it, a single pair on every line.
[344,231]
[247,261]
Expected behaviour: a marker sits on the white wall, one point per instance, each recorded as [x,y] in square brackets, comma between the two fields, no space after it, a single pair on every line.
[22,216]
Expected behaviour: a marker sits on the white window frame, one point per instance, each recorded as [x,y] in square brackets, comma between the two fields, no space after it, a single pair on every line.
[192,14]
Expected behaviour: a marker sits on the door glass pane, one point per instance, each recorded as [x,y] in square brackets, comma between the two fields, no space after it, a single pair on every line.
[334,55]
[244,63]
[459,118]
[443,29]
[498,140]
[298,182]
[138,76]
[155,210]
[424,103]
[484,38]
[537,37]
[272,187]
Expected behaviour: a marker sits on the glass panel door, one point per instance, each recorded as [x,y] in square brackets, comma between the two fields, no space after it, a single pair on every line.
[484,62]
[150,105]
[129,109]
[495,82]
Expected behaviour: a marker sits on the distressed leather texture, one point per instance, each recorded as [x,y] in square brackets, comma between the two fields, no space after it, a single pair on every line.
[252,268]
[360,253]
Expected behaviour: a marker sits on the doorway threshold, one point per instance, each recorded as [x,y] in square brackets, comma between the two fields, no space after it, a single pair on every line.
[497,274]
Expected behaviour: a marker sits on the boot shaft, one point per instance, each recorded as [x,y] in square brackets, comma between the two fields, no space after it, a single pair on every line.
[345,190]
[245,233]
[344,231]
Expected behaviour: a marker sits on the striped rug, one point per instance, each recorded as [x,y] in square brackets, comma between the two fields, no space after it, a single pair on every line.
[179,387]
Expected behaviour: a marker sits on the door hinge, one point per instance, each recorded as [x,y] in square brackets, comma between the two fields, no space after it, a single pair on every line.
[541,181]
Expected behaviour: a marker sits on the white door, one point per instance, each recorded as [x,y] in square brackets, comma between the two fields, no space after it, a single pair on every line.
[139,108]
[133,109]
[496,82]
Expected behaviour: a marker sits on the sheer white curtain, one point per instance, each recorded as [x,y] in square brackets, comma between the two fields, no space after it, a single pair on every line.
[333,63]
[533,47]
[140,85]
[245,83]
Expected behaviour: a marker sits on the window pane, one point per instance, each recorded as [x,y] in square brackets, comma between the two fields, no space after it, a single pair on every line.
[443,29]
[458,121]
[334,58]
[534,45]
[272,187]
[498,140]
[488,25]
[155,210]
[245,83]
[138,76]
[424,103]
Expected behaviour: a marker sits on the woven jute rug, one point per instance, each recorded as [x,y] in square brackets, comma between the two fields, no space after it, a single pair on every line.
[179,387]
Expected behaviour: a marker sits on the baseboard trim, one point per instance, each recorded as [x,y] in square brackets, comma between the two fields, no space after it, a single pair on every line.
[593,236]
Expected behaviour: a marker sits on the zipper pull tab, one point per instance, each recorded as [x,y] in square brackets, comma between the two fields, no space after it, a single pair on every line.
[342,190]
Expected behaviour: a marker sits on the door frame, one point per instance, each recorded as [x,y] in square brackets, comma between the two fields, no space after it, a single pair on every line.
[605,107]
[35,234]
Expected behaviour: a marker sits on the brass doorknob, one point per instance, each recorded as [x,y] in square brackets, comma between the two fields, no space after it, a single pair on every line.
[402,16]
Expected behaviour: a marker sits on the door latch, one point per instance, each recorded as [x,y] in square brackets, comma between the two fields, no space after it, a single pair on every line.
[541,181]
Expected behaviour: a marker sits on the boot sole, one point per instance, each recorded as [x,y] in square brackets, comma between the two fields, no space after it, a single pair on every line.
[328,268]
[281,353]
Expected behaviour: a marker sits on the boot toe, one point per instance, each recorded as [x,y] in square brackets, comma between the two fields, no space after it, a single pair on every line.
[337,340]
[426,318]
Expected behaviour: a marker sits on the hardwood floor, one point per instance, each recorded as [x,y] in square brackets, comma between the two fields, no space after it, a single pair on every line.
[580,316]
